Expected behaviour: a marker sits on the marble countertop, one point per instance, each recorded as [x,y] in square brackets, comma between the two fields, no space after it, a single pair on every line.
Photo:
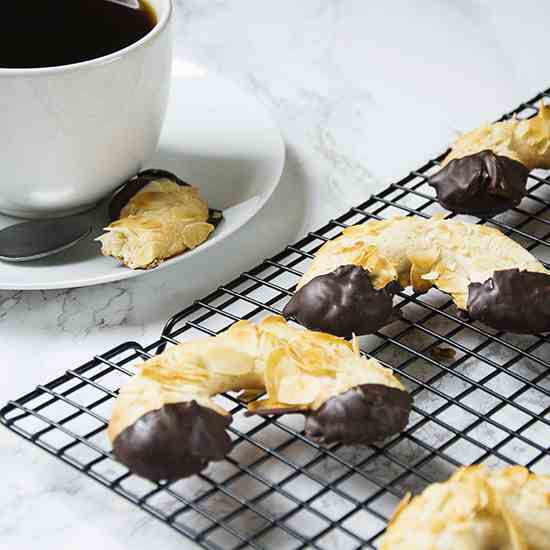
[363,92]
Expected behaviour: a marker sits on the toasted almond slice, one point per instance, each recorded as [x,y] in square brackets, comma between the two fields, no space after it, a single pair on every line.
[225,360]
[196,233]
[250,395]
[319,347]
[207,402]
[268,342]
[404,278]
[424,259]
[431,276]
[298,390]
[356,230]
[276,326]
[271,379]
[167,374]
[452,283]
[323,339]
[279,365]
[417,281]
[318,362]
[270,405]
[244,337]
[355,344]
[460,299]
[381,270]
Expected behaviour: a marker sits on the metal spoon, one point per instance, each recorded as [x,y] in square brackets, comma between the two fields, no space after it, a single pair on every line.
[32,240]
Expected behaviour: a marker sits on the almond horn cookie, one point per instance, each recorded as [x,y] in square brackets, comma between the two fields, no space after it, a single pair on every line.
[486,171]
[348,287]
[166,425]
[156,216]
[476,509]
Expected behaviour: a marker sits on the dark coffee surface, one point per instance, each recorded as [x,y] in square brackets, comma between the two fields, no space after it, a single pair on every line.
[50,33]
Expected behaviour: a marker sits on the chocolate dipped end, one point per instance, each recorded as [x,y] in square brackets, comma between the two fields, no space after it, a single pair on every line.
[215,217]
[342,303]
[482,184]
[134,186]
[175,441]
[513,301]
[158,174]
[363,414]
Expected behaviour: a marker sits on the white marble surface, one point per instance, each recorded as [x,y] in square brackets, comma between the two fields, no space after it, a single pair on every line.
[363,92]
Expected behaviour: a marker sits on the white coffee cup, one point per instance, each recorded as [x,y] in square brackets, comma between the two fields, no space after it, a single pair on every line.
[70,135]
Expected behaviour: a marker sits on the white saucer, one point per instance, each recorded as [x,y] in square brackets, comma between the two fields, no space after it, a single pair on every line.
[215,136]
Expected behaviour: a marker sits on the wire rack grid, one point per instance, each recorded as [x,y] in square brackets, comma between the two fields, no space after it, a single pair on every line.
[480,396]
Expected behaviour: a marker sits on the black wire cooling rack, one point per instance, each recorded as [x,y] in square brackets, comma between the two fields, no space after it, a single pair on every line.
[480,396]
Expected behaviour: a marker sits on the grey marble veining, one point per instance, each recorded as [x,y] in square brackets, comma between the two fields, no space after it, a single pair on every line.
[363,92]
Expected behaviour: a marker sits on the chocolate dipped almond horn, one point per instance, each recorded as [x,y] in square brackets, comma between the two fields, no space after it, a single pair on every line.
[166,425]
[478,508]
[156,216]
[486,171]
[349,285]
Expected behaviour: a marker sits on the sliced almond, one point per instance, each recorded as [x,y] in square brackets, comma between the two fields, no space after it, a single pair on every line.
[356,230]
[314,361]
[298,390]
[380,269]
[452,283]
[424,259]
[269,405]
[355,345]
[180,369]
[228,361]
[431,276]
[319,354]
[279,365]
[461,300]
[250,395]
[196,233]
[418,283]
[276,327]
[267,343]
